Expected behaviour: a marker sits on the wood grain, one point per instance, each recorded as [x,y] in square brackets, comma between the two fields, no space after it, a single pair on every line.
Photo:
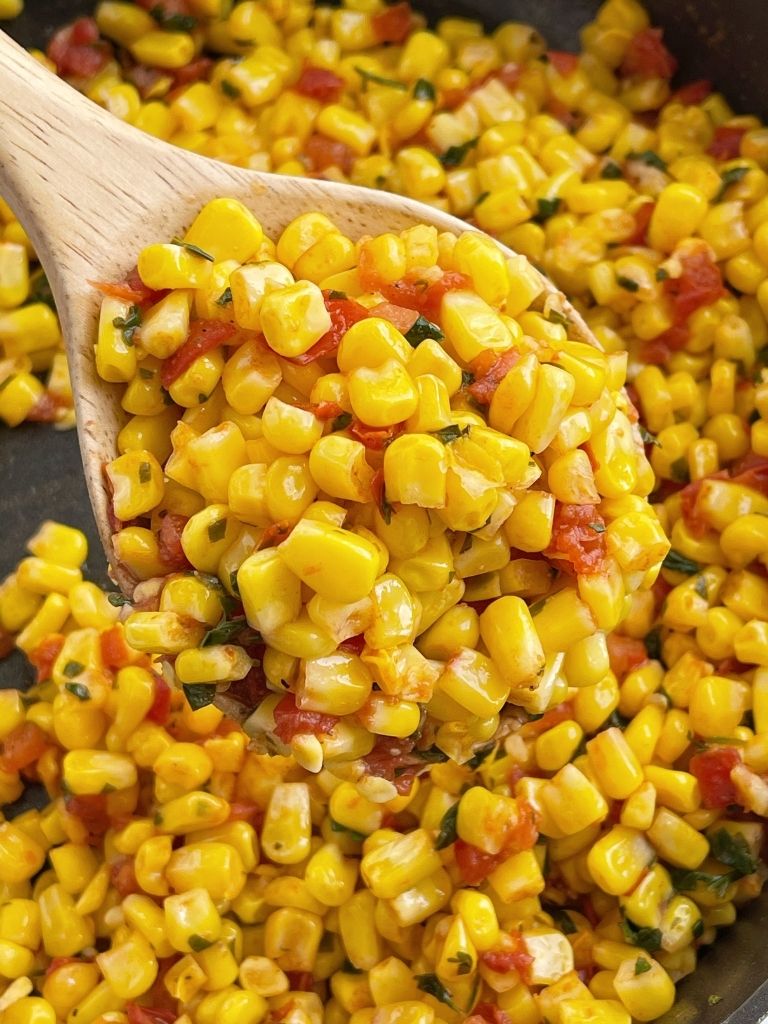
[91,191]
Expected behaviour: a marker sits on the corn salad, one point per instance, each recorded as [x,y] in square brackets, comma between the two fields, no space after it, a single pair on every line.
[569,873]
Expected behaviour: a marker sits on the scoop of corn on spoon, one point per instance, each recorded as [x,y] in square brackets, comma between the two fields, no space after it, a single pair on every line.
[91,191]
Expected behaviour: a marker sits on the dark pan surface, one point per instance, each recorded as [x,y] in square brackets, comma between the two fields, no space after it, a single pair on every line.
[40,472]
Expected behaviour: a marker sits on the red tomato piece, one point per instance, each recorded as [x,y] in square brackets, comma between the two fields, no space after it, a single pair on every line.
[123,877]
[488,1013]
[647,56]
[561,112]
[375,439]
[204,335]
[560,713]
[276,534]
[195,71]
[322,153]
[353,644]
[490,373]
[326,410]
[148,1014]
[22,747]
[131,289]
[251,690]
[115,652]
[418,294]
[343,313]
[642,217]
[726,144]
[625,654]
[91,812]
[393,759]
[699,284]
[659,349]
[169,549]
[7,643]
[393,24]
[291,721]
[161,705]
[565,64]
[399,316]
[475,864]
[692,92]
[503,961]
[300,981]
[755,475]
[509,75]
[45,654]
[577,544]
[62,961]
[319,84]
[243,810]
[47,408]
[689,497]
[78,51]
[713,770]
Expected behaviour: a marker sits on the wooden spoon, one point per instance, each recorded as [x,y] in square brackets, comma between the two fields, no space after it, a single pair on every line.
[91,191]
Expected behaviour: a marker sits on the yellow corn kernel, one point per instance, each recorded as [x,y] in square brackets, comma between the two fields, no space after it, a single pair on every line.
[529,527]
[136,479]
[416,471]
[162,632]
[509,633]
[335,563]
[286,832]
[129,968]
[292,938]
[573,801]
[192,811]
[87,772]
[393,868]
[191,920]
[473,681]
[676,841]
[65,931]
[617,769]
[618,859]
[646,994]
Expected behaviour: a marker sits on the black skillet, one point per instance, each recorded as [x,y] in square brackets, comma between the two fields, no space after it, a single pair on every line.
[41,477]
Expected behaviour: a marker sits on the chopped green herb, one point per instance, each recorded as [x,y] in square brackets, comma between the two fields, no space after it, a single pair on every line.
[421,330]
[336,295]
[464,962]
[73,668]
[173,22]
[642,965]
[648,939]
[78,690]
[118,600]
[201,398]
[466,544]
[556,317]
[731,849]
[728,178]
[229,90]
[357,837]
[447,832]
[479,756]
[597,527]
[145,373]
[369,76]
[128,325]
[698,929]
[611,171]
[4,383]
[190,247]
[661,274]
[349,968]
[467,378]
[199,695]
[686,881]
[650,158]
[225,299]
[616,721]
[627,283]
[455,155]
[700,586]
[342,421]
[652,643]
[424,90]
[679,470]
[432,755]
[713,1000]
[197,943]
[231,631]
[145,472]
[217,530]
[564,921]
[546,208]
[451,433]
[481,198]
[431,984]
[233,584]
[648,437]
[676,562]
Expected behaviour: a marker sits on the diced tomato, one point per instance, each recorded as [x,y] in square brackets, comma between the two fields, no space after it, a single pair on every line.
[393,759]
[48,408]
[375,439]
[713,770]
[560,713]
[22,747]
[400,316]
[353,644]
[326,410]
[148,1014]
[646,56]
[625,654]
[564,63]
[689,497]
[415,293]
[276,533]
[490,373]
[161,705]
[145,79]
[115,652]
[91,811]
[123,876]
[169,549]
[659,349]
[131,289]
[503,961]
[692,92]
[291,720]
[244,810]
[78,51]
[561,112]
[642,217]
[322,153]
[577,543]
[475,864]
[699,284]
[343,313]
[488,1013]
[393,24]
[45,654]
[195,71]
[7,643]
[281,1012]
[755,475]
[204,335]
[319,84]
[300,981]
[726,144]
[251,690]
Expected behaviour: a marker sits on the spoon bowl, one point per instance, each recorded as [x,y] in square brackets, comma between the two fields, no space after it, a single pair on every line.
[91,191]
